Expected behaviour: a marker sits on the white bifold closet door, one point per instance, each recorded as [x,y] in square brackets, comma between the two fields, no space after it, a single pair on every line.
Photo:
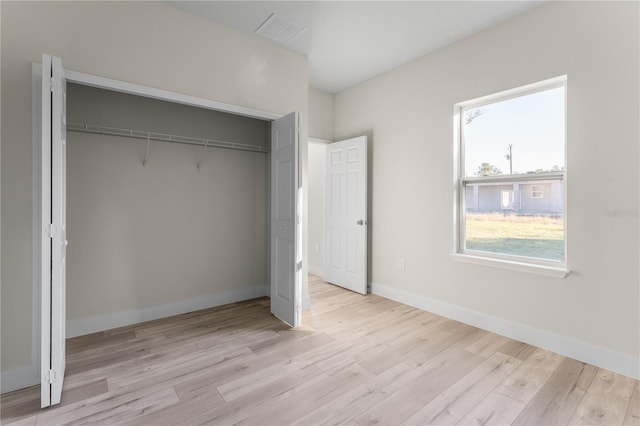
[286,246]
[54,230]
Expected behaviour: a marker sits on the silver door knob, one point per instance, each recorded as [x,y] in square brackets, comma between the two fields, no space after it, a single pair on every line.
[361,222]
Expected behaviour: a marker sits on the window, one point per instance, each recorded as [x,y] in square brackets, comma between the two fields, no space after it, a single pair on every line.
[537,191]
[511,185]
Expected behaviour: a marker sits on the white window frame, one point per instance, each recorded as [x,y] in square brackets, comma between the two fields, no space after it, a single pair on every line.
[510,194]
[537,191]
[512,262]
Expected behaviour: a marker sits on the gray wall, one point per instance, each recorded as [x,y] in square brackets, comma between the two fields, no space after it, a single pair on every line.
[142,236]
[321,128]
[88,105]
[550,201]
[317,158]
[488,198]
[596,44]
[320,114]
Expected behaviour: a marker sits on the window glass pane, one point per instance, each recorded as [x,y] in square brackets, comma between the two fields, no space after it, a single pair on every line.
[537,191]
[506,218]
[519,135]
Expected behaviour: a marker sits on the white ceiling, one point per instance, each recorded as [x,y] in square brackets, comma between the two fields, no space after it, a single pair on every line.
[348,42]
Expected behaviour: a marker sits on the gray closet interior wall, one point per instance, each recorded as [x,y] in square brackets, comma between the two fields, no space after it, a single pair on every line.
[146,236]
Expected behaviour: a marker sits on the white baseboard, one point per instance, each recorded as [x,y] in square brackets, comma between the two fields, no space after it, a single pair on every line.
[581,351]
[315,270]
[19,378]
[97,323]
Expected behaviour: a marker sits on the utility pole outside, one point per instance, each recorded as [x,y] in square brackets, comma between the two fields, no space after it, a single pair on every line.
[510,158]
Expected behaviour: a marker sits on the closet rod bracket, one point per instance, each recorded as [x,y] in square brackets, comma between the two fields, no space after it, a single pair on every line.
[204,148]
[146,150]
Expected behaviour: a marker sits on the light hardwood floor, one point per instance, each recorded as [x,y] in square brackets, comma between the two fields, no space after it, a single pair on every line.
[357,360]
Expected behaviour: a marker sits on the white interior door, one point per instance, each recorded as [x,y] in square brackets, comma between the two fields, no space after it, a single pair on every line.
[345,236]
[286,258]
[54,235]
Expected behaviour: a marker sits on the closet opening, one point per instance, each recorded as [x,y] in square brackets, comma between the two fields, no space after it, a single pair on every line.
[175,204]
[167,208]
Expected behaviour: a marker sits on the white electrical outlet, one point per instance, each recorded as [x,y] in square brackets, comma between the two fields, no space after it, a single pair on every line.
[402,264]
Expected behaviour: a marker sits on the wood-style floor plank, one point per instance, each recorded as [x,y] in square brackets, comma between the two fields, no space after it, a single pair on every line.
[457,400]
[529,378]
[494,409]
[558,399]
[358,399]
[509,398]
[306,397]
[606,401]
[357,360]
[437,377]
[633,412]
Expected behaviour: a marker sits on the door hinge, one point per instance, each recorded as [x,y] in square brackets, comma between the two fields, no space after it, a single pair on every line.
[51,230]
[298,266]
[50,377]
[51,84]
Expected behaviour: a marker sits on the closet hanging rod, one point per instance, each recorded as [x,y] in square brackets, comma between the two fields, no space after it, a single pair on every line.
[161,137]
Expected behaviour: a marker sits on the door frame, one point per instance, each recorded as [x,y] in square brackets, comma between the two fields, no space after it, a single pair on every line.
[165,95]
[32,373]
[317,270]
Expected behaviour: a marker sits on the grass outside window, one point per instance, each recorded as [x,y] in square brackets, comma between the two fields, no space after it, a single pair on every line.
[540,237]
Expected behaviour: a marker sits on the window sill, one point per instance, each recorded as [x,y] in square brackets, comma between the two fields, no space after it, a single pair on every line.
[550,271]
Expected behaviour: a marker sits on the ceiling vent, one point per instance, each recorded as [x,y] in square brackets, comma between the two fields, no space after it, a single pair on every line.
[280,29]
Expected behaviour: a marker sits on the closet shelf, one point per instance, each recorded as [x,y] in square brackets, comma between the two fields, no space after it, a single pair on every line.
[145,135]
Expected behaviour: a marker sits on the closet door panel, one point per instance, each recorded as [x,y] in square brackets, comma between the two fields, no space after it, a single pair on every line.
[53,242]
[285,221]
